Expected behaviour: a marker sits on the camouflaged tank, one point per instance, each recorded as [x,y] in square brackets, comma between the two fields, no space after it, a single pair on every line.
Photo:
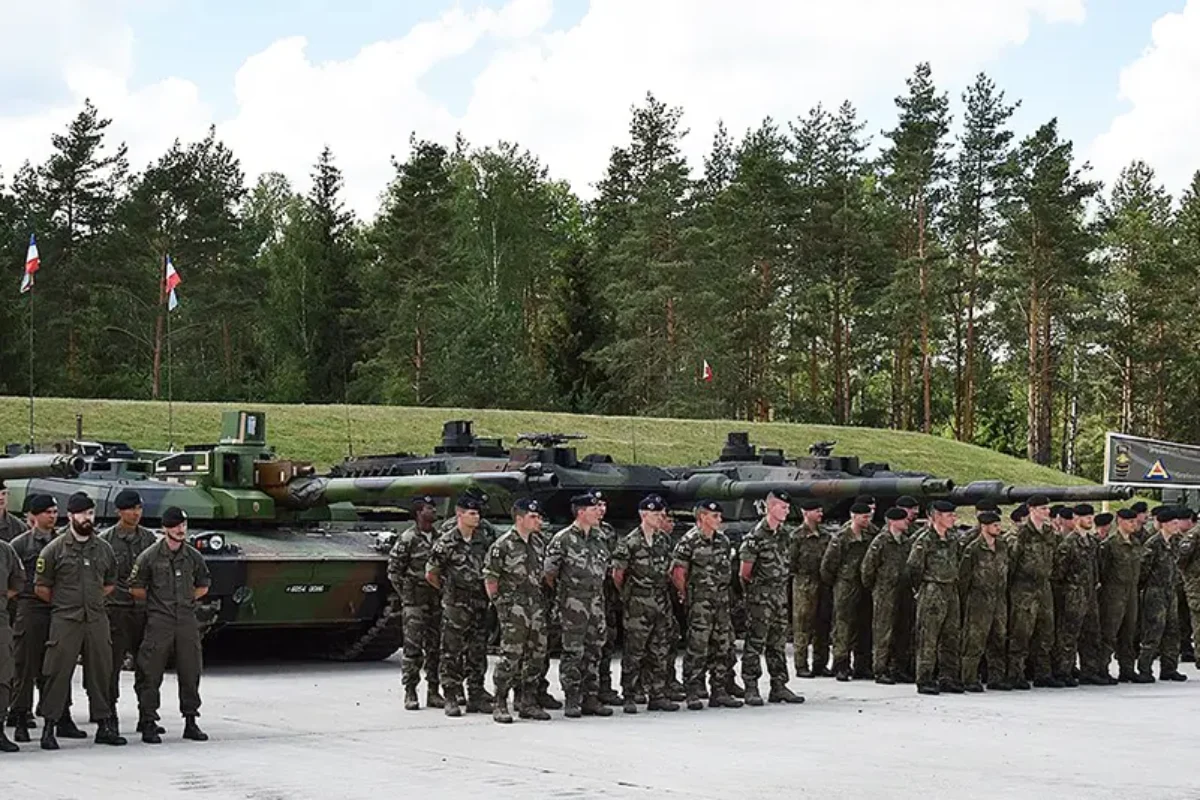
[291,552]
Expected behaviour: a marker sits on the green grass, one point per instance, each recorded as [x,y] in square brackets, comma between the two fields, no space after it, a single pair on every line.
[319,434]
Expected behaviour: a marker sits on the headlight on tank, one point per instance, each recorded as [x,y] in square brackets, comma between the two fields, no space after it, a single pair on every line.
[216,542]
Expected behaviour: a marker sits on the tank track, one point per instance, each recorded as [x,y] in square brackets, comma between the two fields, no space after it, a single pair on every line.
[383,638]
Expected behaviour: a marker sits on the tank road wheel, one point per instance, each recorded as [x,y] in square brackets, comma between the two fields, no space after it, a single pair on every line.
[384,637]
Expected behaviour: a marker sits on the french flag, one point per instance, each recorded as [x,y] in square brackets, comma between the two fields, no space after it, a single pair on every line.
[32,262]
[170,282]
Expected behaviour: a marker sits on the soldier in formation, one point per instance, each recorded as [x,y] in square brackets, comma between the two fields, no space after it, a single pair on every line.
[12,580]
[812,598]
[420,605]
[933,566]
[841,568]
[983,589]
[10,526]
[884,575]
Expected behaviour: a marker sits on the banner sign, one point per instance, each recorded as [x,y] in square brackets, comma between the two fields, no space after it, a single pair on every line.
[1134,461]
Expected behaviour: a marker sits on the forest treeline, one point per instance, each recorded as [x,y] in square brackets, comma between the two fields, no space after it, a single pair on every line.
[947,274]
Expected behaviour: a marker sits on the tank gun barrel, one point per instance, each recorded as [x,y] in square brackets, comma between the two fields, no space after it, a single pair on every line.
[718,487]
[1004,493]
[312,491]
[39,465]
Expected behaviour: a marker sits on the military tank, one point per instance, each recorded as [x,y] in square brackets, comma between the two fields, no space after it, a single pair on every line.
[291,552]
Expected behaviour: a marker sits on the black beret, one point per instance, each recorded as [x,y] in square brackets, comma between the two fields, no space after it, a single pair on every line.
[943,505]
[987,517]
[586,500]
[468,501]
[1084,510]
[652,502]
[596,493]
[1037,501]
[41,503]
[907,501]
[1019,513]
[987,505]
[784,496]
[1165,514]
[1107,518]
[1127,513]
[173,517]
[421,501]
[1139,507]
[810,505]
[1066,513]
[896,513]
[2,486]
[527,505]
[1056,509]
[1154,511]
[708,505]
[127,499]
[865,499]
[79,502]
[860,508]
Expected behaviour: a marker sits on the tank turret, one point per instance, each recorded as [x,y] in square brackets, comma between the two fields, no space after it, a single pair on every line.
[38,465]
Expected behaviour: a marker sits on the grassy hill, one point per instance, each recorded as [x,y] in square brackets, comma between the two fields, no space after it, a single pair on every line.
[319,434]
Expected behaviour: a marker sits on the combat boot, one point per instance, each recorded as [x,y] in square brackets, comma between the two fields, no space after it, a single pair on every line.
[753,698]
[150,734]
[477,703]
[67,729]
[452,706]
[927,688]
[433,698]
[609,697]
[574,710]
[801,669]
[951,686]
[886,680]
[483,694]
[548,701]
[733,688]
[143,724]
[192,731]
[1021,685]
[694,703]
[1175,675]
[411,703]
[999,686]
[24,723]
[5,745]
[592,707]
[723,700]
[1069,681]
[48,740]
[1142,677]
[106,733]
[640,698]
[500,712]
[780,693]
[661,704]
[676,693]
[528,708]
[974,687]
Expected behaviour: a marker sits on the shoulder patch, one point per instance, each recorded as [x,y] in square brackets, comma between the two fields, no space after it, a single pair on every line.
[41,564]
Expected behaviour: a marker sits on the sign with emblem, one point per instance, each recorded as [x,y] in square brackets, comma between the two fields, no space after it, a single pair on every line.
[1151,463]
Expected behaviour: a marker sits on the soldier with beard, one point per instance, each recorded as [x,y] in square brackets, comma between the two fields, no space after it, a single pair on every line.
[812,599]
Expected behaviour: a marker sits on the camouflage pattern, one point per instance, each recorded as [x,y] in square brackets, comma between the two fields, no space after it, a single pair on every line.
[709,629]
[459,563]
[884,575]
[516,564]
[579,560]
[1070,575]
[420,606]
[812,599]
[650,633]
[612,612]
[1189,574]
[1091,662]
[1030,601]
[841,567]
[933,567]
[769,553]
[1159,609]
[983,590]
[1120,573]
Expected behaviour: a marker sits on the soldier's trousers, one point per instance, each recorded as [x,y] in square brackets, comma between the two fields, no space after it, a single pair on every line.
[612,623]
[127,626]
[938,621]
[1193,599]
[67,641]
[1186,643]
[766,633]
[1118,625]
[30,633]
[464,641]
[583,635]
[891,632]
[7,666]
[1160,631]
[166,638]
[709,631]
[812,606]
[649,650]
[1069,611]
[422,618]
[1090,660]
[522,644]
[1030,630]
[851,625]
[985,631]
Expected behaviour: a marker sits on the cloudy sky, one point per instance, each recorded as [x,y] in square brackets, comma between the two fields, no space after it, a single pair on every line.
[282,78]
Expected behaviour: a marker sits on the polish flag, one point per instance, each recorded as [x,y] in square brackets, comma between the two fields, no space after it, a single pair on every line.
[171,281]
[32,262]
[708,372]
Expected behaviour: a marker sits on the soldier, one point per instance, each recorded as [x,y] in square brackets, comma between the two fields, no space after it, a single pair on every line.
[765,567]
[1145,524]
[972,533]
[983,589]
[640,567]
[1187,652]
[12,580]
[812,600]
[10,526]
[1091,664]
[883,575]
[1160,609]
[1103,525]
[74,574]
[933,567]
[1189,570]
[1070,575]
[170,577]
[455,568]
[841,567]
[126,616]
[1120,559]
[577,561]
[512,575]
[420,605]
[1031,604]
[612,609]
[700,569]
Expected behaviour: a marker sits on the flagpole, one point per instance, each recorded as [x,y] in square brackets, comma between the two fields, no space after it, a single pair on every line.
[31,359]
[170,395]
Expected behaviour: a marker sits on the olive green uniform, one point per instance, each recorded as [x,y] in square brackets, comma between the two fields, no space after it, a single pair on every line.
[1030,601]
[1120,571]
[32,626]
[170,579]
[1160,607]
[841,567]
[933,567]
[1189,569]
[812,599]
[983,589]
[1091,663]
[12,578]
[126,616]
[10,527]
[77,574]
[884,576]
[1070,576]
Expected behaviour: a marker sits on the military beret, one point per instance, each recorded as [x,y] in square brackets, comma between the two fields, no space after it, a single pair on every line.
[907,501]
[1139,507]
[586,500]
[652,502]
[468,501]
[987,505]
[1066,513]
[1037,501]
[421,501]
[943,506]
[41,503]
[1154,511]
[865,499]
[1019,513]
[173,517]
[527,505]
[784,496]
[896,513]
[1164,514]
[1084,510]
[2,486]
[860,508]
[127,499]
[1056,509]
[1107,518]
[79,502]
[1127,513]
[810,505]
[596,493]
[987,517]
[709,505]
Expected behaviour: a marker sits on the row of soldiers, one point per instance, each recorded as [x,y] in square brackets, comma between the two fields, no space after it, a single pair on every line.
[123,592]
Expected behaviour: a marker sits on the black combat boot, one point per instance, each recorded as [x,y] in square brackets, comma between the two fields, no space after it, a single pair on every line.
[24,723]
[433,698]
[500,712]
[592,707]
[732,687]
[694,703]
[885,679]
[1173,675]
[999,686]
[927,688]
[152,724]
[528,708]
[149,733]
[753,696]
[722,699]
[67,729]
[411,703]
[48,740]
[479,701]
[780,693]
[453,706]
[629,706]
[1142,677]
[1021,685]
[574,707]
[5,745]
[192,731]
[609,697]
[548,701]
[974,687]
[661,704]
[106,733]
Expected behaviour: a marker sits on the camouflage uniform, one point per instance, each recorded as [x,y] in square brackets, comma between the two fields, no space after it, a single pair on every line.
[1160,610]
[841,567]
[983,589]
[612,615]
[516,565]
[1189,573]
[1120,570]
[709,629]
[1070,575]
[883,575]
[421,607]
[1031,603]
[580,561]
[766,602]
[933,566]
[1091,663]
[812,600]
[459,563]
[649,630]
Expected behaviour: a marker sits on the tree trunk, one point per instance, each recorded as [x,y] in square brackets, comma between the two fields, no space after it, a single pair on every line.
[926,368]
[968,406]
[1047,388]
[1032,385]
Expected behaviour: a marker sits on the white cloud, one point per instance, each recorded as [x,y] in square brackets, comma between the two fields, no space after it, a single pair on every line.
[1162,124]
[563,94]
